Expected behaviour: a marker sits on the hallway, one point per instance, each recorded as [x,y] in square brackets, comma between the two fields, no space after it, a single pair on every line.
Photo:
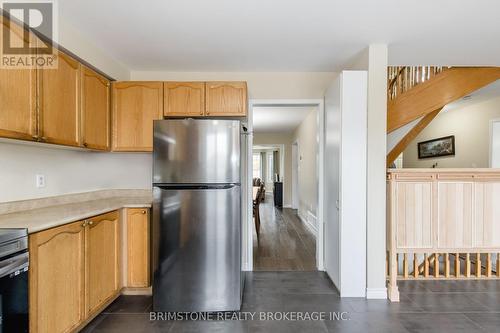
[285,244]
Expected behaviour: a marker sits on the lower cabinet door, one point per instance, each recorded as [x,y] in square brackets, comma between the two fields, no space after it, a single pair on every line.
[57,282]
[103,260]
[138,247]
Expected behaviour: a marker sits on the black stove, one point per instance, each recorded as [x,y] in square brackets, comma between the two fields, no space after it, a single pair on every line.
[14,263]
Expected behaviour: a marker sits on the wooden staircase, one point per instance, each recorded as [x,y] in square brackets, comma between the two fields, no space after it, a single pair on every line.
[421,92]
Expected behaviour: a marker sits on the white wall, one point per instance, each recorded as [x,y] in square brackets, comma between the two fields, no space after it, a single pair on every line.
[261,85]
[376,171]
[345,182]
[397,135]
[470,125]
[306,135]
[68,171]
[73,40]
[331,215]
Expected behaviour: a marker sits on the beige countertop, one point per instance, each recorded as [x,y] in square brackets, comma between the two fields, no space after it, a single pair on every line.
[45,213]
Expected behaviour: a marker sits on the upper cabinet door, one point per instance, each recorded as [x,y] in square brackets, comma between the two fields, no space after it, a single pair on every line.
[226,99]
[95,110]
[17,94]
[135,106]
[184,98]
[59,100]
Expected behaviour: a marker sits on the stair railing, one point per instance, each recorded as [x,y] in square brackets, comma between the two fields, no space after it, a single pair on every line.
[403,78]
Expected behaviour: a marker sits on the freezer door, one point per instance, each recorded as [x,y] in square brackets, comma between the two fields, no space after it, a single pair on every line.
[196,151]
[196,243]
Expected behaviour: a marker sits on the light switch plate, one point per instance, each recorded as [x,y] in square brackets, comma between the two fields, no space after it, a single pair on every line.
[40,181]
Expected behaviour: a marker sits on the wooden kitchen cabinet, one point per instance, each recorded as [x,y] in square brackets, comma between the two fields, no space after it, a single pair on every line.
[138,272]
[135,106]
[74,273]
[226,98]
[56,279]
[102,260]
[95,110]
[59,102]
[184,99]
[17,94]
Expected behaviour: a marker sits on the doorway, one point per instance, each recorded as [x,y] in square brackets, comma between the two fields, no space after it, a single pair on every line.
[286,217]
[495,143]
[295,175]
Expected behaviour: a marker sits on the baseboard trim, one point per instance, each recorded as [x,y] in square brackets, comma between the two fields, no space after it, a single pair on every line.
[376,293]
[287,206]
[137,291]
[308,225]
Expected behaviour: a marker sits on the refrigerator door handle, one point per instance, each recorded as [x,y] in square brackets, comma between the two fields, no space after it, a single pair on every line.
[196,186]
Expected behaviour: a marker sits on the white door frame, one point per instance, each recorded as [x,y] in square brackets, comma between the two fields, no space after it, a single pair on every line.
[490,159]
[295,175]
[248,226]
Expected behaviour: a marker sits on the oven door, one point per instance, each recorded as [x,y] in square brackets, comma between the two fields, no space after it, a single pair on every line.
[14,293]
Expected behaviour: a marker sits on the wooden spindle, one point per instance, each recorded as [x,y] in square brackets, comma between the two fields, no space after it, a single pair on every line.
[405,265]
[478,264]
[457,265]
[446,265]
[397,264]
[488,265]
[415,265]
[436,265]
[387,270]
[426,265]
[467,265]
[498,265]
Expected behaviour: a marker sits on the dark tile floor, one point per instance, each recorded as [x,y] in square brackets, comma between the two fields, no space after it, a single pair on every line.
[430,306]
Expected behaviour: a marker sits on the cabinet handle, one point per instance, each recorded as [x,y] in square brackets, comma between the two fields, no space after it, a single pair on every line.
[84,224]
[90,222]
[143,212]
[85,144]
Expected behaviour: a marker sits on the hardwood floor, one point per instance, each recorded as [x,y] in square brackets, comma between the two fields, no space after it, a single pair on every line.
[285,244]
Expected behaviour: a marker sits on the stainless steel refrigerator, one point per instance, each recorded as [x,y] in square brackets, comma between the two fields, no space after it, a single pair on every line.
[196,231]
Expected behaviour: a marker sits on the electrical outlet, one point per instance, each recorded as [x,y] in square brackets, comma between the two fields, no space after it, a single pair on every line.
[40,181]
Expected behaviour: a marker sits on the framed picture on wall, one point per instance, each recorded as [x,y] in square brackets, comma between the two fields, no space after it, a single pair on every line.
[444,146]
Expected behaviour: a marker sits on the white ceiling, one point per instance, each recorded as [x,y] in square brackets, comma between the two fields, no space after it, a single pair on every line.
[486,93]
[286,35]
[279,119]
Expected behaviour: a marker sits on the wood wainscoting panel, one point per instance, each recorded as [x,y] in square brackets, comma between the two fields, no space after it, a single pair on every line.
[413,214]
[486,215]
[455,214]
